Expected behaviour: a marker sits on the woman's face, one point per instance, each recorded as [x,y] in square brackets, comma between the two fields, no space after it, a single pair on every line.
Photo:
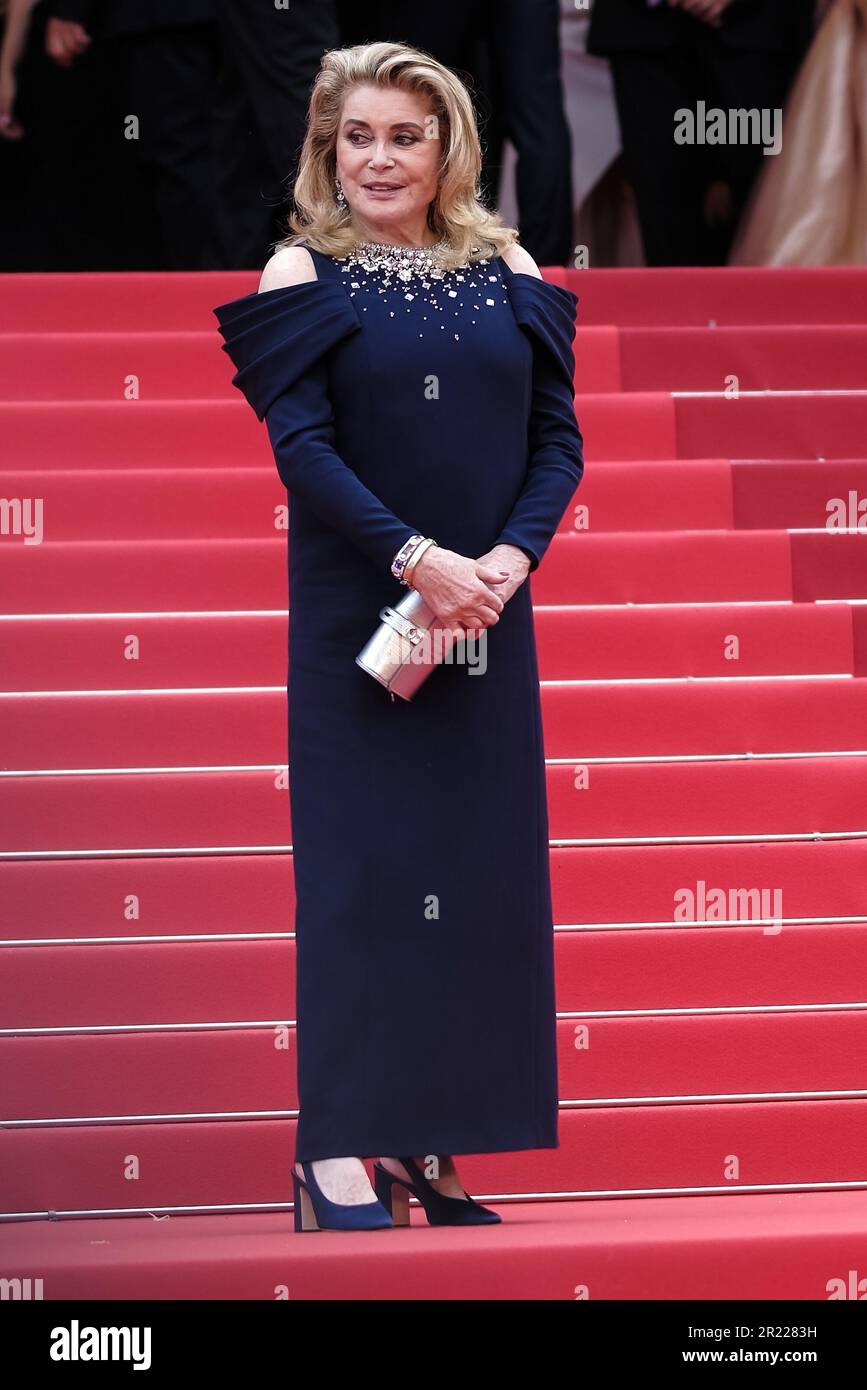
[388,156]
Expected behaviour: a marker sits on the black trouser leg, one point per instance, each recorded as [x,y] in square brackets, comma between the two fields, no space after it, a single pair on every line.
[270,58]
[170,77]
[525,45]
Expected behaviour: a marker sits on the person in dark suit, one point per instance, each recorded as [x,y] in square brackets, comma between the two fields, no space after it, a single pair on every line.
[165,53]
[269,59]
[509,53]
[669,55]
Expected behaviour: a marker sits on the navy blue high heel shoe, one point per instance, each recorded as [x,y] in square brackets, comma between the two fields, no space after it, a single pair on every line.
[316,1212]
[393,1192]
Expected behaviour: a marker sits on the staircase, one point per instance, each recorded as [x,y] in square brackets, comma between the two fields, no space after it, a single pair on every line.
[702,637]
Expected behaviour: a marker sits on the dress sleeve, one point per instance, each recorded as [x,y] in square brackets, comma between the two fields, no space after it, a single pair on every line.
[546,313]
[278,340]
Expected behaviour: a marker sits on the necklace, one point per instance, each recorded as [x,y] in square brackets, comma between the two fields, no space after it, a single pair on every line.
[402,261]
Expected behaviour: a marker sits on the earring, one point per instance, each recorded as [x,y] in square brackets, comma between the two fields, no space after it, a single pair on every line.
[341,196]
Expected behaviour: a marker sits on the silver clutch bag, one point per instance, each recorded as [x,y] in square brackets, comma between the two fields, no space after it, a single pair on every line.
[406,647]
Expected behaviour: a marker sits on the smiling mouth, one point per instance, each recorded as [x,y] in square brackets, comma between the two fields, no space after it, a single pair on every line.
[383,187]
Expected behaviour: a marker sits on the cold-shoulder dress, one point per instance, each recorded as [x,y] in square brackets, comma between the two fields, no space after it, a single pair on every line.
[425,1001]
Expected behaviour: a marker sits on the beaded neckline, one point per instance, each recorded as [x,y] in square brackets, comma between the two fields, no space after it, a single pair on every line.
[404,262]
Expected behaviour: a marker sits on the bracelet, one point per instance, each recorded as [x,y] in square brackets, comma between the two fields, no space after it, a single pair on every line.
[414,559]
[398,564]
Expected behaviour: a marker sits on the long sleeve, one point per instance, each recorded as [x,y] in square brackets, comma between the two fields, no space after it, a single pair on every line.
[277,341]
[556,448]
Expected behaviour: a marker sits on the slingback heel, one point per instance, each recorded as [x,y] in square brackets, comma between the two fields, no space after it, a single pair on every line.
[393,1192]
[316,1212]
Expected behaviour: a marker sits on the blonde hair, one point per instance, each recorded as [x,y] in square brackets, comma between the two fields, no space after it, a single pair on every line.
[456,213]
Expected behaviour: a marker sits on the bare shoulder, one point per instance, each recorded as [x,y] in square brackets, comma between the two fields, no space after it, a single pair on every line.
[521,261]
[291,265]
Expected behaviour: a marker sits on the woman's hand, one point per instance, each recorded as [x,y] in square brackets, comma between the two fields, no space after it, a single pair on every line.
[512,559]
[460,591]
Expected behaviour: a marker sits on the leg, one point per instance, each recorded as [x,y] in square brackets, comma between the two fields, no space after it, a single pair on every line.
[170,76]
[667,178]
[525,47]
[270,59]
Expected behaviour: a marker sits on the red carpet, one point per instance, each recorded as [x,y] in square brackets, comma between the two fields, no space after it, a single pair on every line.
[703,653]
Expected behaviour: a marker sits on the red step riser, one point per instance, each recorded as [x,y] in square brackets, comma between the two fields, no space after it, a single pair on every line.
[797,493]
[689,966]
[762,359]
[142,301]
[144,504]
[228,809]
[703,718]
[52,654]
[225,894]
[223,728]
[229,1070]
[216,433]
[771,427]
[632,425]
[701,295]
[179,365]
[655,567]
[128,301]
[630,1148]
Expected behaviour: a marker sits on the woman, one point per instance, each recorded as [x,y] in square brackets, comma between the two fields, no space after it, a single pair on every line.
[809,206]
[415,374]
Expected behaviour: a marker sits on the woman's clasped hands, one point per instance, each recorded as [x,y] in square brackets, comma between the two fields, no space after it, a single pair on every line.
[466,594]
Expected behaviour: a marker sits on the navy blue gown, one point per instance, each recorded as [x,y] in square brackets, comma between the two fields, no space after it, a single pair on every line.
[424,933]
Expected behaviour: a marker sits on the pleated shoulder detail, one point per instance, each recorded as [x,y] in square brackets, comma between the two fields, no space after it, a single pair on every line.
[275,336]
[547,313]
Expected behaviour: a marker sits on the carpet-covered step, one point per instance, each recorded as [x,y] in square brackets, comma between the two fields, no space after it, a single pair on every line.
[702,717]
[636,887]
[179,365]
[227,810]
[661,495]
[94,366]
[212,1070]
[604,1150]
[748,797]
[799,493]
[632,425]
[691,295]
[224,432]
[153,730]
[754,358]
[767,963]
[702,567]
[573,642]
[119,302]
[617,567]
[703,296]
[799,425]
[736,1246]
[101,504]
